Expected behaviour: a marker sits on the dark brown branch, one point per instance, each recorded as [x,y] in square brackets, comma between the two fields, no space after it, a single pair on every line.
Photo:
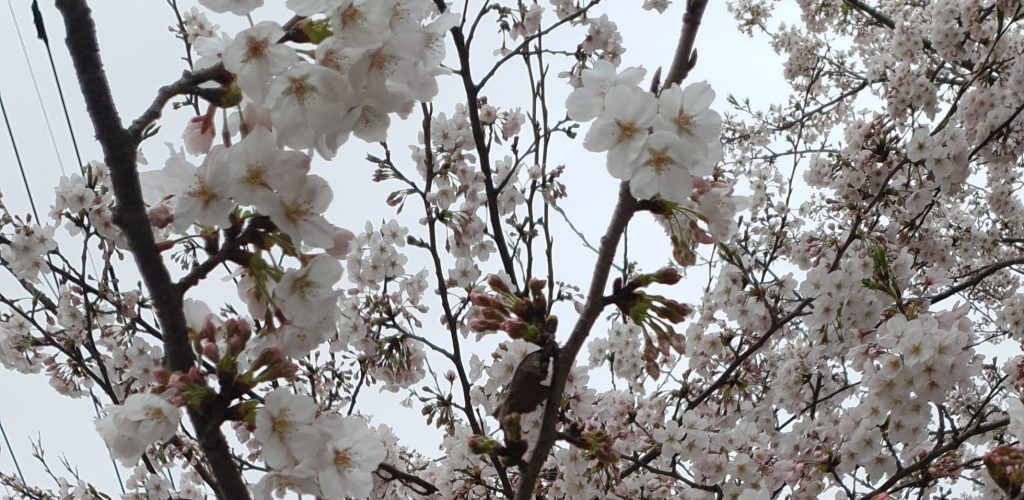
[405,477]
[624,210]
[982,273]
[872,12]
[473,107]
[686,57]
[119,152]
[937,452]
[184,85]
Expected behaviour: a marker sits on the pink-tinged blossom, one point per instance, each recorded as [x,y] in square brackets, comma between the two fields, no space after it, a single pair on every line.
[343,242]
[197,25]
[361,23]
[199,194]
[306,296]
[310,108]
[73,194]
[255,58]
[353,453]
[686,113]
[257,167]
[128,429]
[919,146]
[238,7]
[587,102]
[285,430]
[27,251]
[298,211]
[663,168]
[530,23]
[511,123]
[199,134]
[622,128]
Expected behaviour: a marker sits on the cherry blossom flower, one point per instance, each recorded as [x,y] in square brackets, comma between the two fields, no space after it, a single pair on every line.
[28,250]
[353,453]
[305,296]
[257,167]
[199,194]
[685,112]
[238,7]
[284,428]
[310,108]
[298,210]
[361,23]
[199,134]
[622,128]
[129,428]
[197,25]
[255,57]
[663,168]
[587,102]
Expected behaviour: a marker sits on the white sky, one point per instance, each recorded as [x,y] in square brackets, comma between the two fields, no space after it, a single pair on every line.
[140,55]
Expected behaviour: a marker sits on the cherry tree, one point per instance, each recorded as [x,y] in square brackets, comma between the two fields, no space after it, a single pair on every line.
[856,250]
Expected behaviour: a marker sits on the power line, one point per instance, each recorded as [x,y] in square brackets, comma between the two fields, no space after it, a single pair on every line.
[11,451]
[35,84]
[17,157]
[37,18]
[117,471]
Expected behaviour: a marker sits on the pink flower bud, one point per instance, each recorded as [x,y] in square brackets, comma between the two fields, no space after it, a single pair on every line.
[199,134]
[342,243]
[210,351]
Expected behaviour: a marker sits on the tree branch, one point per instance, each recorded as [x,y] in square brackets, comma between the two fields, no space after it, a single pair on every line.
[686,57]
[183,85]
[982,273]
[564,359]
[405,477]
[473,108]
[119,151]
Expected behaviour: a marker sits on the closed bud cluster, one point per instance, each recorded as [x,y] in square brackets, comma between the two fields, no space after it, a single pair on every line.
[520,317]
[481,445]
[599,445]
[1005,466]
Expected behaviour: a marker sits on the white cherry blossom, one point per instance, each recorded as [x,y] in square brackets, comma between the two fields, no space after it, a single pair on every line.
[622,128]
[129,428]
[255,57]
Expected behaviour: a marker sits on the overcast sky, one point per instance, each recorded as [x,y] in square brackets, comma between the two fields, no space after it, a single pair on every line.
[140,55]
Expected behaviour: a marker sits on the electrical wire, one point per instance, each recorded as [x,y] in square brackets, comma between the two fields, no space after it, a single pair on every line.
[37,19]
[10,450]
[35,84]
[117,471]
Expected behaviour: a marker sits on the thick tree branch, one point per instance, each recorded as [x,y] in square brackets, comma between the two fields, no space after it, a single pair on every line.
[937,452]
[566,356]
[393,473]
[119,151]
[982,273]
[184,85]
[686,57]
[682,63]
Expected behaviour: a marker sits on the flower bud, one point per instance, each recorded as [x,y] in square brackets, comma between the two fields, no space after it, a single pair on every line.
[481,445]
[667,276]
[160,216]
